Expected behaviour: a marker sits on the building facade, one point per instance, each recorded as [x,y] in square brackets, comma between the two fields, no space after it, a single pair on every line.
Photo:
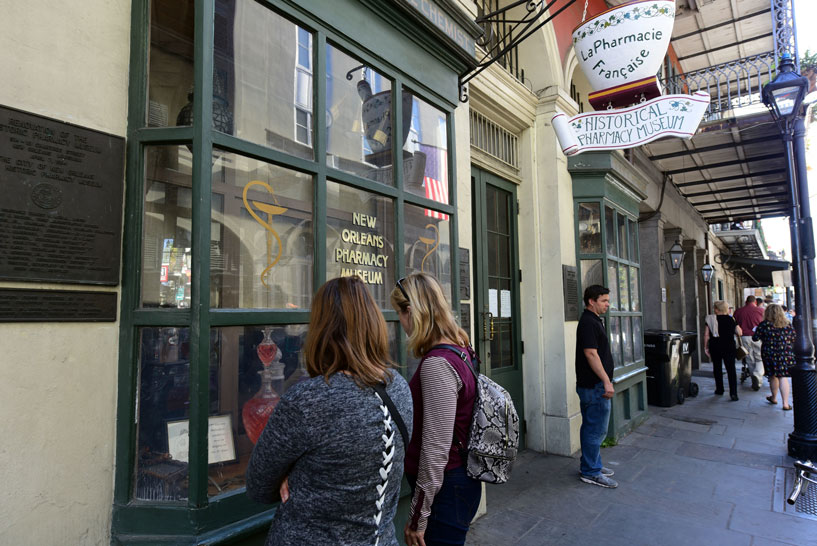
[267,146]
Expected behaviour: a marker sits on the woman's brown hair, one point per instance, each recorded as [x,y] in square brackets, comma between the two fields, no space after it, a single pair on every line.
[347,333]
[775,315]
[431,316]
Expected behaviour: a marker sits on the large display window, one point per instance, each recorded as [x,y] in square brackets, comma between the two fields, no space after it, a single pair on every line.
[602,225]
[267,154]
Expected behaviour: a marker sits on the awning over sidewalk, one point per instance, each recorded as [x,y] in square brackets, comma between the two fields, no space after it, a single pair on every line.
[759,272]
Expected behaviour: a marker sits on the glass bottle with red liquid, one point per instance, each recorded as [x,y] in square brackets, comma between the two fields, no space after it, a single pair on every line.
[256,410]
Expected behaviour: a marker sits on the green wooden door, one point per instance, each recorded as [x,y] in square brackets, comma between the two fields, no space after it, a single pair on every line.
[496,272]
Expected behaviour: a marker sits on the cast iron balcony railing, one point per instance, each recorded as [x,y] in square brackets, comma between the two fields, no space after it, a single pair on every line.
[731,86]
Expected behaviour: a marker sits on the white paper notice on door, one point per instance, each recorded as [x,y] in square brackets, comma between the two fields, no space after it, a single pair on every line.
[505,303]
[493,304]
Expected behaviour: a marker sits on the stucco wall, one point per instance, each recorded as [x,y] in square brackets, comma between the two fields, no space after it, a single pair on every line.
[69,61]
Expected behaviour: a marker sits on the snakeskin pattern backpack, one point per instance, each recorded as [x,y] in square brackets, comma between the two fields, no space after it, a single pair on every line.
[494,435]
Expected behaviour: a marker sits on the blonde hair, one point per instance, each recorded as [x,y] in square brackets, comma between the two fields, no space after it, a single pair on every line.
[431,317]
[347,333]
[775,315]
[722,307]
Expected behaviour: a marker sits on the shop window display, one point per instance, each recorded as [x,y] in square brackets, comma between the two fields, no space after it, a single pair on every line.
[426,243]
[360,238]
[425,151]
[261,254]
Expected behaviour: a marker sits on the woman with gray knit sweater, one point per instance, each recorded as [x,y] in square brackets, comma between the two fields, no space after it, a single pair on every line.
[332,448]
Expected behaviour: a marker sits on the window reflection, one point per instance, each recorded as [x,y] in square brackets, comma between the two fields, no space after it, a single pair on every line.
[610,231]
[261,253]
[262,77]
[360,238]
[164,397]
[427,245]
[359,136]
[167,241]
[426,165]
[589,228]
[170,73]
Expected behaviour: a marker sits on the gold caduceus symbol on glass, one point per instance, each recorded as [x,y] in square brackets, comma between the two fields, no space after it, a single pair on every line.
[270,210]
[428,242]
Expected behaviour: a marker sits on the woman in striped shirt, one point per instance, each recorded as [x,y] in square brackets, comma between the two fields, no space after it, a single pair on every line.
[443,389]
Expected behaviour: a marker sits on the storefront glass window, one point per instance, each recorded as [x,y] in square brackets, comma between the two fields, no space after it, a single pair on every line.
[167,241]
[425,151]
[164,399]
[251,366]
[623,287]
[262,77]
[633,241]
[626,339]
[610,231]
[612,284]
[622,236]
[360,238]
[261,255]
[589,228]
[426,243]
[170,76]
[635,300]
[359,136]
[591,273]
[615,340]
[638,340]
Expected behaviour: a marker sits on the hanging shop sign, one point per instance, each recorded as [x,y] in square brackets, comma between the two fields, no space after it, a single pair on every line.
[620,50]
[670,115]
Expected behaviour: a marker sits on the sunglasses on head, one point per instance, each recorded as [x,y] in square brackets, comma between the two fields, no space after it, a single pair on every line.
[402,290]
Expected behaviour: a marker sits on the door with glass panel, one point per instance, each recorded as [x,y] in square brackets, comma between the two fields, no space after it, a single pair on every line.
[496,278]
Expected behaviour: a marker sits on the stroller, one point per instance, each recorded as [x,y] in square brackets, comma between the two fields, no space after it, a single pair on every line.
[745,373]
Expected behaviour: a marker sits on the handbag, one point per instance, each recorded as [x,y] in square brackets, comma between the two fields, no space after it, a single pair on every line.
[740,352]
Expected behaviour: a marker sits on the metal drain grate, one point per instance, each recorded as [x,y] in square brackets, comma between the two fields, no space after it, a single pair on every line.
[806,505]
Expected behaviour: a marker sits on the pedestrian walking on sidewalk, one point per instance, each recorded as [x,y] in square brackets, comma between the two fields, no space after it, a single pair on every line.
[748,317]
[332,447]
[444,498]
[719,345]
[594,385]
[777,337]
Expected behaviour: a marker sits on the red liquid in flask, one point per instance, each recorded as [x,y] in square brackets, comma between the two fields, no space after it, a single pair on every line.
[256,410]
[266,352]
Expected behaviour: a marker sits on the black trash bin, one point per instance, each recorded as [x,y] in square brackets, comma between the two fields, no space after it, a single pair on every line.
[689,344]
[662,349]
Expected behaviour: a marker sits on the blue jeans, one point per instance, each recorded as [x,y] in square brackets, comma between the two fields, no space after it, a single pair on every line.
[454,506]
[595,418]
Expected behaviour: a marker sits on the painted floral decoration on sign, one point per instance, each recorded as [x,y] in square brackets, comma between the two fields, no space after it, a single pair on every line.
[617,18]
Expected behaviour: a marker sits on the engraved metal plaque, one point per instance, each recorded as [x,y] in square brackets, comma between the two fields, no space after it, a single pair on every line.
[570,283]
[56,306]
[60,201]
[465,274]
[465,317]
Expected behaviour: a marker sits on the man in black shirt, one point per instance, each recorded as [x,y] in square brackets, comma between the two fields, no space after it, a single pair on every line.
[594,374]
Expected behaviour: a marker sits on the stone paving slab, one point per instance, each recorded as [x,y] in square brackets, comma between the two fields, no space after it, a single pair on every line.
[698,473]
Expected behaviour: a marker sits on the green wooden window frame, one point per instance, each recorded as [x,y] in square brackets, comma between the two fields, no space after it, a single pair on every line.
[607,259]
[202,516]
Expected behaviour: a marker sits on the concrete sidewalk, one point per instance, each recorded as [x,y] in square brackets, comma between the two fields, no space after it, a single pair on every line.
[697,474]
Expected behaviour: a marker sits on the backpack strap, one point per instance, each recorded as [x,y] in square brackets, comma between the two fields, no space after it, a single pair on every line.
[463,355]
[380,389]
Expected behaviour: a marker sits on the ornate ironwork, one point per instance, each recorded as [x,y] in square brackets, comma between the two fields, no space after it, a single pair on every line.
[731,85]
[535,15]
[785,31]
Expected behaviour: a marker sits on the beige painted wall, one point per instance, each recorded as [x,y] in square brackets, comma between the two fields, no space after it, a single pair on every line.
[69,61]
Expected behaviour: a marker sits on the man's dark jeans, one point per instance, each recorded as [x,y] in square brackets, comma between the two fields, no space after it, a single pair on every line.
[595,418]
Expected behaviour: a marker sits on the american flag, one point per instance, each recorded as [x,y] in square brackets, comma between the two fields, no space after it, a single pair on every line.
[435,178]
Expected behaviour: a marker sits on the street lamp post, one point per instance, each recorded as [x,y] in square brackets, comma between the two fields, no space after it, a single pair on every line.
[784,97]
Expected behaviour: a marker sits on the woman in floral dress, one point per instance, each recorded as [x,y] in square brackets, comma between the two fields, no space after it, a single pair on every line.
[777,352]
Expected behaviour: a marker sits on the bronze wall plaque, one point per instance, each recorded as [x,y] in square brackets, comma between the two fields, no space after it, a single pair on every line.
[570,283]
[56,306]
[60,201]
[465,273]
